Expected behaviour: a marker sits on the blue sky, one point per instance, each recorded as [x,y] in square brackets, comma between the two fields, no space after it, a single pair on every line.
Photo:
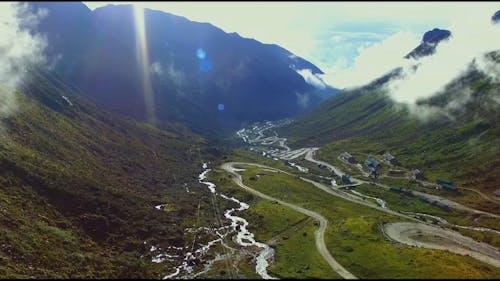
[332,35]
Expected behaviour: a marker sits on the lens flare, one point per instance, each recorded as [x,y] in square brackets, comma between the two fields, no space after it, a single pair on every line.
[200,53]
[143,60]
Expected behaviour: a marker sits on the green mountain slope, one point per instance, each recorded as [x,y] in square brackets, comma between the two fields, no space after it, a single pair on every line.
[78,187]
[458,142]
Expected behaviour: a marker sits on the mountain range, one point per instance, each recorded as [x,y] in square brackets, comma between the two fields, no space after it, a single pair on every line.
[457,140]
[193,72]
[99,164]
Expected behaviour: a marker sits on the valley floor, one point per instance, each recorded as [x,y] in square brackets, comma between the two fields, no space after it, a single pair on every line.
[314,220]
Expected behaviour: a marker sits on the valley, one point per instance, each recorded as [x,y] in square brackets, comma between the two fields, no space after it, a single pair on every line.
[284,183]
[136,143]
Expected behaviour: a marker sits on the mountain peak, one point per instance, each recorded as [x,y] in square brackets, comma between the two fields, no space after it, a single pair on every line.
[429,42]
[496,17]
[435,35]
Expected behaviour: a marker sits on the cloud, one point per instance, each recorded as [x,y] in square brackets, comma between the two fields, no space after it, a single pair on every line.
[372,62]
[168,74]
[472,37]
[155,68]
[311,78]
[18,50]
[302,100]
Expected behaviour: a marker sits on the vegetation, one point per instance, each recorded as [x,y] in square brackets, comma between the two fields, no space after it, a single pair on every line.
[291,234]
[460,146]
[78,187]
[355,240]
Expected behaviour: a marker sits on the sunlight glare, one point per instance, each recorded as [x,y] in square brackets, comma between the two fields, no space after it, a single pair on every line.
[143,60]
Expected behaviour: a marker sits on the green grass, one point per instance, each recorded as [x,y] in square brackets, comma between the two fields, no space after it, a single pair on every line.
[461,148]
[78,186]
[295,253]
[355,240]
[298,257]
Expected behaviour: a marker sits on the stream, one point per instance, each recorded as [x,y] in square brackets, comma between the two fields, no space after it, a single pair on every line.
[243,238]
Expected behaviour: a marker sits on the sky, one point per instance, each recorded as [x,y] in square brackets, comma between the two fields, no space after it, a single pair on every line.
[342,38]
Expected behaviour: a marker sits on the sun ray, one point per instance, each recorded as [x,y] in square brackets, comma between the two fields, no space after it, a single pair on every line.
[143,60]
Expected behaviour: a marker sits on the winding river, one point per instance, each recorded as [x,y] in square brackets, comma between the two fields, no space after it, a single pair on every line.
[407,232]
[243,237]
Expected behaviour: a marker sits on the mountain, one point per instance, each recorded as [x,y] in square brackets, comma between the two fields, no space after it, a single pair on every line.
[188,72]
[496,17]
[458,141]
[429,42]
[79,185]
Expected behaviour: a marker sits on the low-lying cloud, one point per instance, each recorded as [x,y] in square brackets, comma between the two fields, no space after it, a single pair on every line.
[311,78]
[372,62]
[168,73]
[470,40]
[473,35]
[18,50]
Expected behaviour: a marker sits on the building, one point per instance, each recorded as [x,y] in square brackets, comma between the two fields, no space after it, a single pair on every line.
[373,172]
[441,181]
[417,174]
[424,199]
[402,190]
[497,192]
[373,163]
[321,166]
[346,179]
[407,192]
[441,205]
[391,159]
[449,186]
[349,158]
[395,189]
[446,184]
[396,172]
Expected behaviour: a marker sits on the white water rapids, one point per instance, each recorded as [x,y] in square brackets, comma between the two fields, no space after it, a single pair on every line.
[243,237]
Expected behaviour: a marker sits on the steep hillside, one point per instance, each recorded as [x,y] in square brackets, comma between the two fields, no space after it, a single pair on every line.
[186,71]
[79,185]
[459,141]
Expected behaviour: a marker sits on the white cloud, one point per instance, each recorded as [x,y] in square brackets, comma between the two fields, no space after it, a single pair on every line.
[311,78]
[372,62]
[18,50]
[168,73]
[472,36]
[155,68]
[302,100]
[297,25]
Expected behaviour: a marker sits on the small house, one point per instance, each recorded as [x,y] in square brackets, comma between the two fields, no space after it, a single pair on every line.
[449,186]
[346,179]
[391,159]
[417,174]
[441,181]
[441,205]
[396,172]
[395,189]
[372,162]
[424,199]
[497,192]
[348,157]
[407,191]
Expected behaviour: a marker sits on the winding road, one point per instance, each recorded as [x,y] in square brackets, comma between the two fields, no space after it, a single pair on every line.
[415,233]
[319,235]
